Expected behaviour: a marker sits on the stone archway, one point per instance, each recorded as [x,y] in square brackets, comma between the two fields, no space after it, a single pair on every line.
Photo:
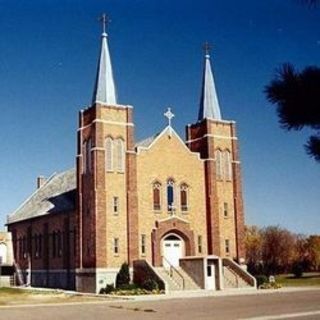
[171,226]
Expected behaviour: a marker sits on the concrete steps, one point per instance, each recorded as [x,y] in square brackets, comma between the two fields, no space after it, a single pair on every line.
[177,279]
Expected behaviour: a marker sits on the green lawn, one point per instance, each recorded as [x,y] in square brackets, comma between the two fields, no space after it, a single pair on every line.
[308,279]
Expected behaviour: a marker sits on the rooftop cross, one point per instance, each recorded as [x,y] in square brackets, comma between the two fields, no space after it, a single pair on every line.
[207,47]
[104,19]
[169,115]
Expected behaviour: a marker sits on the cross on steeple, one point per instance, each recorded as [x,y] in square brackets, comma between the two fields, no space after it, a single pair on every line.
[207,47]
[169,115]
[104,19]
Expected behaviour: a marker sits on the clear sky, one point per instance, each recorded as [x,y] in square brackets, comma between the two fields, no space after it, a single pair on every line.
[48,57]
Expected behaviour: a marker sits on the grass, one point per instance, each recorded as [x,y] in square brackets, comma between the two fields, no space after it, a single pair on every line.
[308,279]
[16,296]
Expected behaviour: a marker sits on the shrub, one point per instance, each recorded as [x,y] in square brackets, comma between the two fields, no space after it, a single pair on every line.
[150,285]
[123,276]
[261,279]
[297,269]
[108,289]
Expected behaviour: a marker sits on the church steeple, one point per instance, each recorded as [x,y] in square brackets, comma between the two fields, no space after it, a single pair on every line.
[209,104]
[104,89]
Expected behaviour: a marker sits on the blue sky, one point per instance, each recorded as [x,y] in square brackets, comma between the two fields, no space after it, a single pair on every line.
[48,57]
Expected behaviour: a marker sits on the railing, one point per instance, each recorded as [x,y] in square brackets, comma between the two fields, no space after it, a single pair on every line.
[173,271]
[246,276]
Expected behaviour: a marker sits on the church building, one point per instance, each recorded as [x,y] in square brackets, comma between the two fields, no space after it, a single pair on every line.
[165,202]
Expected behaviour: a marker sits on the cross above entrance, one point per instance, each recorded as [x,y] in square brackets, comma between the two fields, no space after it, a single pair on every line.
[169,115]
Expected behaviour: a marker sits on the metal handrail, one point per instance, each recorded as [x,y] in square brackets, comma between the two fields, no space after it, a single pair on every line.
[172,268]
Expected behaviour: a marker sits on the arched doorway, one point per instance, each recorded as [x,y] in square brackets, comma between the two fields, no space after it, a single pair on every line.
[3,253]
[173,248]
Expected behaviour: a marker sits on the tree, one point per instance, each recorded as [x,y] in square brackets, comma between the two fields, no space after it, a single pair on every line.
[123,276]
[313,252]
[297,99]
[278,249]
[253,244]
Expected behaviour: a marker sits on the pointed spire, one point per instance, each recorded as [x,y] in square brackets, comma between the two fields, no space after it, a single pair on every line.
[104,89]
[209,104]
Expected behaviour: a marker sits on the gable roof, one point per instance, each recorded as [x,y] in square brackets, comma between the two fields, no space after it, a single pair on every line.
[56,195]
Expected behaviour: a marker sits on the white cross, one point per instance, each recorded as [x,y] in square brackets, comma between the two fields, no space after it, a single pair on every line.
[168,114]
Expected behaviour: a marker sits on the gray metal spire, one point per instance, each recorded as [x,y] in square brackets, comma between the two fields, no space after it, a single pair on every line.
[209,104]
[104,88]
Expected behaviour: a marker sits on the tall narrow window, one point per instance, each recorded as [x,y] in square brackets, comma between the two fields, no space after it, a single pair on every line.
[88,155]
[227,246]
[170,195]
[120,155]
[109,154]
[59,244]
[24,247]
[115,205]
[184,197]
[40,246]
[36,254]
[157,196]
[116,245]
[84,156]
[199,244]
[227,165]
[225,209]
[143,244]
[219,168]
[54,245]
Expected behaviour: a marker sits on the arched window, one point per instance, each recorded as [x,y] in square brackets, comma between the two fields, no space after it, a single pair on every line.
[219,167]
[109,154]
[170,195]
[157,196]
[184,197]
[227,165]
[120,154]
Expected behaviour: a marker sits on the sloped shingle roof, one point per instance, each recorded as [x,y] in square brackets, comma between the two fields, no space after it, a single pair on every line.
[56,195]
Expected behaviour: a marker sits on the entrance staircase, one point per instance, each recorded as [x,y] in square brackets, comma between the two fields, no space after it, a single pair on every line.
[176,279]
[235,276]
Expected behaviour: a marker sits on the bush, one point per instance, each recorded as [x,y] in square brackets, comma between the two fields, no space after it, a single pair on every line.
[261,279]
[150,285]
[271,285]
[123,276]
[108,289]
[297,269]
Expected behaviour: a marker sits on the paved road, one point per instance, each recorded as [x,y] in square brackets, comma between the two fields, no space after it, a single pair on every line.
[295,305]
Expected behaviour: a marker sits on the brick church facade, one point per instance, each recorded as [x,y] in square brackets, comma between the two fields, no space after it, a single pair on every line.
[162,200]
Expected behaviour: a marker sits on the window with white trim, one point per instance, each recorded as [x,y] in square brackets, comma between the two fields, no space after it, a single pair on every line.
[143,244]
[199,244]
[84,157]
[116,245]
[219,167]
[225,209]
[109,154]
[115,205]
[120,155]
[227,165]
[227,246]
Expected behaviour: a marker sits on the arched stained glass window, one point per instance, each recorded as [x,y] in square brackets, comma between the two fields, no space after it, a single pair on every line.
[184,197]
[170,195]
[157,196]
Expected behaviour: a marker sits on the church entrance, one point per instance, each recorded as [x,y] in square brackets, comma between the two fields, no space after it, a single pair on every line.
[172,250]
